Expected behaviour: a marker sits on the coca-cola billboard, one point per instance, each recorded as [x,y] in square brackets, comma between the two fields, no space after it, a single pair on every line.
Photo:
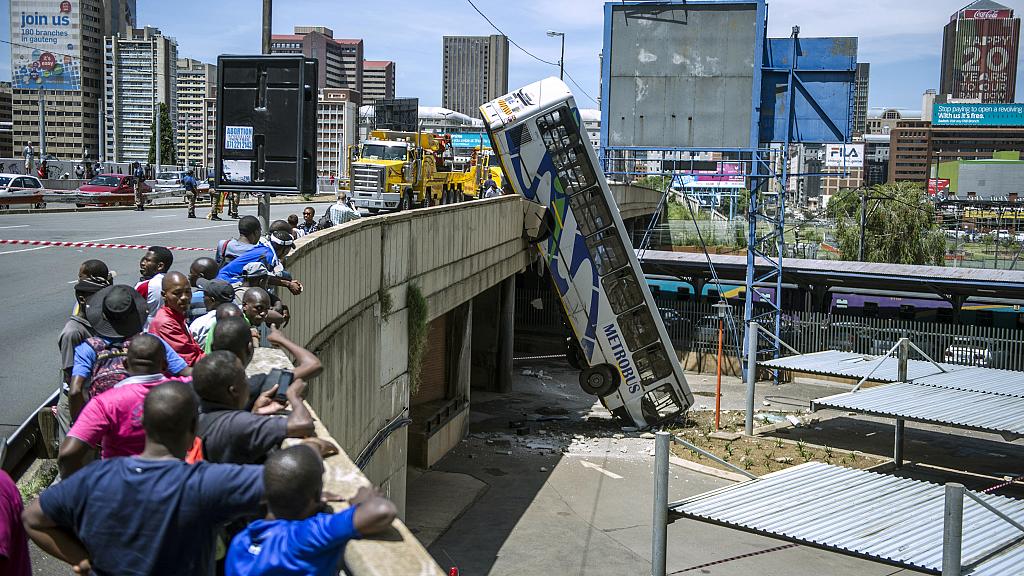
[982,14]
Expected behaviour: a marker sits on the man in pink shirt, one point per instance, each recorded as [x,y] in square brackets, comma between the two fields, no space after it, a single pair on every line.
[113,419]
[169,322]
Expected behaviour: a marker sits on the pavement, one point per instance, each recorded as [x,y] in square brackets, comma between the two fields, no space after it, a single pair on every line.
[37,282]
[572,493]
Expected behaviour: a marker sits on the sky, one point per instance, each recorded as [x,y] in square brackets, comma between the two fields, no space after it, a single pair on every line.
[902,39]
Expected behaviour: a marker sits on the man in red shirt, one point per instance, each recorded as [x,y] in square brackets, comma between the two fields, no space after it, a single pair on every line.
[169,322]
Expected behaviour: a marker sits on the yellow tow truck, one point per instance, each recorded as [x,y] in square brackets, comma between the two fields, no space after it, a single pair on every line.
[393,170]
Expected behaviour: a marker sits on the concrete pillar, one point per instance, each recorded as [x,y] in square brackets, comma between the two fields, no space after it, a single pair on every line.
[506,333]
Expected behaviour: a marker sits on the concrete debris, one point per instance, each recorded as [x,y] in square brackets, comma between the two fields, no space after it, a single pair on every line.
[543,468]
[765,403]
[784,460]
[541,446]
[727,436]
[647,436]
[623,450]
[618,436]
[793,420]
[629,428]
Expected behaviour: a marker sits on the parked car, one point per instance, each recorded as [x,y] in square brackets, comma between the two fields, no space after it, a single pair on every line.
[973,352]
[169,180]
[14,185]
[883,339]
[849,337]
[677,325]
[111,184]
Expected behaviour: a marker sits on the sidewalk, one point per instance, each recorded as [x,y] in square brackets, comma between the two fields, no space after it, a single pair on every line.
[573,495]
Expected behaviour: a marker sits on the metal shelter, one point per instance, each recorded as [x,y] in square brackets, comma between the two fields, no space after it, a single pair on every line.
[900,521]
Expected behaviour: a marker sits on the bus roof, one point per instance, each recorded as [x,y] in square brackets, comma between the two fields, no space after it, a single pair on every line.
[524,102]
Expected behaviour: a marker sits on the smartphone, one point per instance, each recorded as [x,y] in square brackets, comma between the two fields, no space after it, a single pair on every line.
[282,378]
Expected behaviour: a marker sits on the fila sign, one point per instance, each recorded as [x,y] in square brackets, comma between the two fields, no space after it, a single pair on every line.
[844,155]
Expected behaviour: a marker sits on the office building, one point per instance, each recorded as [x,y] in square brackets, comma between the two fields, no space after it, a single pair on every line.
[71,81]
[209,133]
[860,98]
[884,120]
[876,159]
[119,16]
[141,74]
[6,121]
[197,81]
[475,71]
[378,80]
[340,60]
[979,53]
[337,128]
[918,149]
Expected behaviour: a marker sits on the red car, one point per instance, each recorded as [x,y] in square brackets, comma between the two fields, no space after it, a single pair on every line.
[111,184]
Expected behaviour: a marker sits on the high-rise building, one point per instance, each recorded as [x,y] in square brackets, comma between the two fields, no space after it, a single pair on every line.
[119,16]
[979,53]
[378,80]
[209,132]
[197,81]
[341,60]
[475,71]
[141,74]
[6,121]
[337,128]
[68,75]
[860,98]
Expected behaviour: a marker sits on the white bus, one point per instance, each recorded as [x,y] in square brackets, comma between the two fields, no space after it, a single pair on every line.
[628,359]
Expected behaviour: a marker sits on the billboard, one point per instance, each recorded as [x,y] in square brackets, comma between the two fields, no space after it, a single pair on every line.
[978,115]
[938,186]
[45,40]
[979,56]
[844,155]
[825,72]
[727,175]
[664,62]
[469,140]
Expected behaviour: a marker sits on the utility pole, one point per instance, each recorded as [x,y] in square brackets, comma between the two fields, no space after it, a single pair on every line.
[156,113]
[263,209]
[42,124]
[863,222]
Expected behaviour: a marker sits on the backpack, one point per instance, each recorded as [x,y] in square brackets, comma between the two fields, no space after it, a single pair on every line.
[325,220]
[109,368]
[221,255]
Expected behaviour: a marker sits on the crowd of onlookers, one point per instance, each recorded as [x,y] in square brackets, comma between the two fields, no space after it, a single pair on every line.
[170,456]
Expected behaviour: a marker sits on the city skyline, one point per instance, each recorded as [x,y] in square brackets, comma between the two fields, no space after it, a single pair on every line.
[903,41]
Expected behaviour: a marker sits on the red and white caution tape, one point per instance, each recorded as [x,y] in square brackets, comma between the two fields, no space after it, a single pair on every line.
[93,245]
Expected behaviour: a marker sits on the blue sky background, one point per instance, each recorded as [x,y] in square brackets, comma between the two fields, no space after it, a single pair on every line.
[901,39]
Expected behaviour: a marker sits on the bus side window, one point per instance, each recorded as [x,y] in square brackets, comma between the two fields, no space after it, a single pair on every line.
[652,364]
[607,251]
[591,211]
[562,139]
[623,291]
[638,328]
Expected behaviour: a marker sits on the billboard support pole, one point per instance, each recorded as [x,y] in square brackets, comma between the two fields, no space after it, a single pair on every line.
[263,209]
[42,124]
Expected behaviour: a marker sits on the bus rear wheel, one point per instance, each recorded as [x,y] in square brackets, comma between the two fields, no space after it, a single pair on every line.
[599,380]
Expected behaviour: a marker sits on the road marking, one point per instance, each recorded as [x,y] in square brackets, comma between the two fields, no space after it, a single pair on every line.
[126,237]
[167,216]
[18,226]
[593,466]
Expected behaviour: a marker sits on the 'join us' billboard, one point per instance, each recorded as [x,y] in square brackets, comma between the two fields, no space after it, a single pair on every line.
[45,44]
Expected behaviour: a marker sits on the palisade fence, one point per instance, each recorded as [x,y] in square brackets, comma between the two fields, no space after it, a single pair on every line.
[693,327]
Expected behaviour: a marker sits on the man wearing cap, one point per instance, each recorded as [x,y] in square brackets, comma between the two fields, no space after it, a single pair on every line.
[200,268]
[215,293]
[282,243]
[116,313]
[169,322]
[76,330]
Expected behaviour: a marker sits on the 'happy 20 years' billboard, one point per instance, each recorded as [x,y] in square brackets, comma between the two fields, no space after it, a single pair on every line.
[45,45]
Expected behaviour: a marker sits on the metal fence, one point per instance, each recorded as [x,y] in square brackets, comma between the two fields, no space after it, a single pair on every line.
[693,327]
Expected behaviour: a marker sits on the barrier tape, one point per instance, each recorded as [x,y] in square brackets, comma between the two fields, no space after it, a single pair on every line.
[94,245]
[740,557]
[999,486]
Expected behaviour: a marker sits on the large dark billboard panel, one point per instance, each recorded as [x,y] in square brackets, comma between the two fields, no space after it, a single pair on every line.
[979,58]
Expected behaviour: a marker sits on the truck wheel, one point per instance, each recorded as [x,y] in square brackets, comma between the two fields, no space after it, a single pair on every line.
[599,380]
[405,202]
[373,210]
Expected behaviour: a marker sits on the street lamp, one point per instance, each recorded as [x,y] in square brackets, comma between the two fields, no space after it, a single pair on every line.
[723,310]
[561,60]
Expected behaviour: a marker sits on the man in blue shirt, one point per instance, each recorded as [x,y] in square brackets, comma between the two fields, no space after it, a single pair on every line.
[282,243]
[299,536]
[150,514]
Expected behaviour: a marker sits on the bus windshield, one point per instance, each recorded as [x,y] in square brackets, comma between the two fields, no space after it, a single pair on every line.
[384,152]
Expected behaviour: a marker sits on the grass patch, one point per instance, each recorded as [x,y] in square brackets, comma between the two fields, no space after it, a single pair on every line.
[39,481]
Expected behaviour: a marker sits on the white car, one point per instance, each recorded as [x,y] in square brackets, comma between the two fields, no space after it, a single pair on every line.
[169,180]
[15,185]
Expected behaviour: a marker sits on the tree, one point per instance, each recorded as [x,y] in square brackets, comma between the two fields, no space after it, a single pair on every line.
[900,227]
[168,153]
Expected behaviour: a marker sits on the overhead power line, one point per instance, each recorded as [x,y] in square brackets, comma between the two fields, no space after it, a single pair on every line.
[527,52]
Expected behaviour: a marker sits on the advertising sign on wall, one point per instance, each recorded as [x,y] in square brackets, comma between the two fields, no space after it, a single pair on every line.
[978,115]
[938,186]
[469,140]
[844,155]
[45,45]
[984,60]
[727,175]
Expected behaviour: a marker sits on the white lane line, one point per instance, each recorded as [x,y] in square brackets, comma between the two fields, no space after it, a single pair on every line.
[593,466]
[125,237]
[18,226]
[166,216]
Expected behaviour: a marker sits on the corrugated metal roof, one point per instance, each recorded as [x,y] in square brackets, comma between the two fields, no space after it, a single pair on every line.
[932,404]
[987,380]
[895,520]
[853,365]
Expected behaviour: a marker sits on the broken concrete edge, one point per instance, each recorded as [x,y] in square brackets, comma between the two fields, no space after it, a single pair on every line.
[395,553]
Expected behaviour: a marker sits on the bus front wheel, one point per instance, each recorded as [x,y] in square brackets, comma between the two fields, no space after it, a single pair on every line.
[599,380]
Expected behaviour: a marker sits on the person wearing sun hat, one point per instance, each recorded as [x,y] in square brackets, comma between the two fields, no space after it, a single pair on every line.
[116,313]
